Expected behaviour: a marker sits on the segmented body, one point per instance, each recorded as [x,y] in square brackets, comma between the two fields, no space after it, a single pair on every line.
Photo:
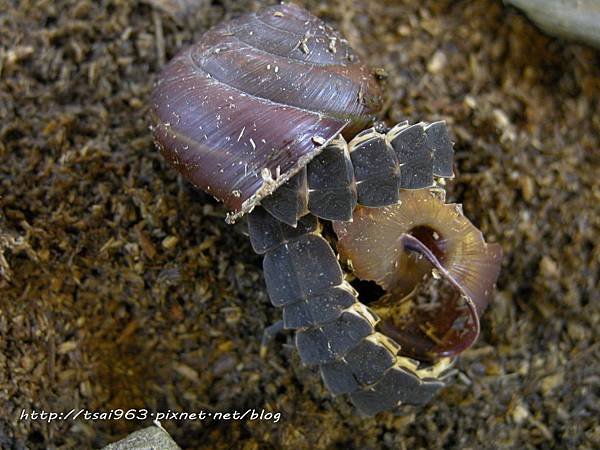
[334,330]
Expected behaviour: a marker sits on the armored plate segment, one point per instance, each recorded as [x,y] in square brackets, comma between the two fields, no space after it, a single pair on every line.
[398,386]
[376,170]
[289,202]
[321,308]
[266,232]
[414,155]
[331,186]
[328,342]
[300,269]
[439,141]
[363,365]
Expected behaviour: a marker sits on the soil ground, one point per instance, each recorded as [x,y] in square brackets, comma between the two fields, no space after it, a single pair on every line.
[121,287]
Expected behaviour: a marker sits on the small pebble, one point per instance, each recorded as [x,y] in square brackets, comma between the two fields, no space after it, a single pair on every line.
[437,62]
[170,242]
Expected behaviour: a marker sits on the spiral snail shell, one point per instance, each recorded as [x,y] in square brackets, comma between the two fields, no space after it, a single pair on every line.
[243,109]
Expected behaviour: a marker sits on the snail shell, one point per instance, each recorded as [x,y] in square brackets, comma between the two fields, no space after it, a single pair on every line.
[254,100]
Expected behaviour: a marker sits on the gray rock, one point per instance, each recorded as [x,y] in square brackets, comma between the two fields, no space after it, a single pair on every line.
[151,438]
[573,19]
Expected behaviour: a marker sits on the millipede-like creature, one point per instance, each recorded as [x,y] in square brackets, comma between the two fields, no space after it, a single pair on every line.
[257,114]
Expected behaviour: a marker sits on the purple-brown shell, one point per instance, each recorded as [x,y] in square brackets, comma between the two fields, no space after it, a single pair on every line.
[254,100]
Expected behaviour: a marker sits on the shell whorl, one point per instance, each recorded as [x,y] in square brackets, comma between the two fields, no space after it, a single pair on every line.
[255,99]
